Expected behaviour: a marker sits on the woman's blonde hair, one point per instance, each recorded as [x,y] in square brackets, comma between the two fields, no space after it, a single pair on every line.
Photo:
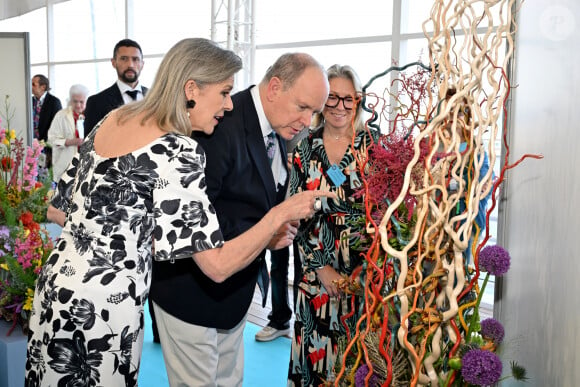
[195,59]
[345,72]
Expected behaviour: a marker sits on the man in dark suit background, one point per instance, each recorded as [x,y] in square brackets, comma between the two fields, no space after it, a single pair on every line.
[44,108]
[128,62]
[201,322]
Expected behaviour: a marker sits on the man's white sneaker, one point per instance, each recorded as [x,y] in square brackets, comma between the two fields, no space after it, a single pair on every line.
[269,333]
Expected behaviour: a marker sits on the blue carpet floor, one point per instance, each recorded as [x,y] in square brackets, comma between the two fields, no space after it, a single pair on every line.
[265,364]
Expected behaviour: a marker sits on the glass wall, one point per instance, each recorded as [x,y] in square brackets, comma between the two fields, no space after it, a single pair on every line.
[370,35]
[83,33]
[80,44]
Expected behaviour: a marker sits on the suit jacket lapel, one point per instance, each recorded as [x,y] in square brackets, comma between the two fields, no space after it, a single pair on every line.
[116,97]
[257,150]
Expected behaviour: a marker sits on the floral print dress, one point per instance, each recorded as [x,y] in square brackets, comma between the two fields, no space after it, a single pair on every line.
[87,322]
[324,240]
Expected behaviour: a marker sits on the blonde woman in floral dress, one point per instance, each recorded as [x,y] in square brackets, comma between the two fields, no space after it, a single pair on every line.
[324,162]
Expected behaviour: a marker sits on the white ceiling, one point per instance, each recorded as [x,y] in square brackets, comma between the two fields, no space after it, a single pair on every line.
[12,8]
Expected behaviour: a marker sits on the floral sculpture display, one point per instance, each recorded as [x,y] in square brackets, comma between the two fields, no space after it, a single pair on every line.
[426,186]
[24,244]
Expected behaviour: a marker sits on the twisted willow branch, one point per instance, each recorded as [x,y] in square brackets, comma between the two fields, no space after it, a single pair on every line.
[470,44]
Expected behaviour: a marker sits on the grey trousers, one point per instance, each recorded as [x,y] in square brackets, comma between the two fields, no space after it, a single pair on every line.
[200,356]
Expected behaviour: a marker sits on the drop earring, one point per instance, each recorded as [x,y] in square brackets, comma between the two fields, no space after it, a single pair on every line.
[190,103]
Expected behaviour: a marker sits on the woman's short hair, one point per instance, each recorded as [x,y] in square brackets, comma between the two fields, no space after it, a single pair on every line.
[78,89]
[345,72]
[197,59]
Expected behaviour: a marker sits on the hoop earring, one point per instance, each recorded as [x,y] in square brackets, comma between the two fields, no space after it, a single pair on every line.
[190,103]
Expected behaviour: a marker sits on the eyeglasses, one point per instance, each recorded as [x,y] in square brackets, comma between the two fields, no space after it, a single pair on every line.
[348,102]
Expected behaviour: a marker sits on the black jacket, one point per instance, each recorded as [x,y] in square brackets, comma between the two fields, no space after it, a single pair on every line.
[100,104]
[242,189]
[50,107]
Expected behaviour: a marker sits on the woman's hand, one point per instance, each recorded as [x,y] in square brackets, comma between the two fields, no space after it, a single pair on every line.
[55,215]
[284,236]
[73,142]
[329,278]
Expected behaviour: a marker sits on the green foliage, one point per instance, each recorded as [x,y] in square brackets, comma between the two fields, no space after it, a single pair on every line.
[21,279]
[7,212]
[518,372]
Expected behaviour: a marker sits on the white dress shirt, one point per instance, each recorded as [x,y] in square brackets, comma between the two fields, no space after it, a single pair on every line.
[123,87]
[278,164]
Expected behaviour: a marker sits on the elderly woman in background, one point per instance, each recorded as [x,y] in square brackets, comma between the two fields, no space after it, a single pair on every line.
[66,132]
[325,162]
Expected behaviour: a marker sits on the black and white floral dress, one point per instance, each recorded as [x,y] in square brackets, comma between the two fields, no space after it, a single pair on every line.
[87,322]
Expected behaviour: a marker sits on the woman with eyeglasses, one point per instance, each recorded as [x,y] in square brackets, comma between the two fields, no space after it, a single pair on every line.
[325,161]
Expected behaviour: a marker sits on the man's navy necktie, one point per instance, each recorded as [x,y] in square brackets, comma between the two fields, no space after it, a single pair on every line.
[133,94]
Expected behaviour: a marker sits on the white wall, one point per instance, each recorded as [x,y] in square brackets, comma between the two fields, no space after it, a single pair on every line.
[539,297]
[15,82]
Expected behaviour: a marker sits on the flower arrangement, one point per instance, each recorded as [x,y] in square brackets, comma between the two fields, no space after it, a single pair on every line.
[24,244]
[426,184]
[378,353]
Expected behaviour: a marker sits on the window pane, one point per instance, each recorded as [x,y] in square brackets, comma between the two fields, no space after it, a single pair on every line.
[306,20]
[150,67]
[95,76]
[367,59]
[415,12]
[414,50]
[35,23]
[158,28]
[87,29]
[68,75]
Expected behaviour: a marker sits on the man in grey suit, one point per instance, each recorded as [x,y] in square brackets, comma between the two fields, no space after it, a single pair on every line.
[127,61]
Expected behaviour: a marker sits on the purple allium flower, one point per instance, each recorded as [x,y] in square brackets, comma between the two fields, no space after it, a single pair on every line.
[494,260]
[492,329]
[361,374]
[481,367]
